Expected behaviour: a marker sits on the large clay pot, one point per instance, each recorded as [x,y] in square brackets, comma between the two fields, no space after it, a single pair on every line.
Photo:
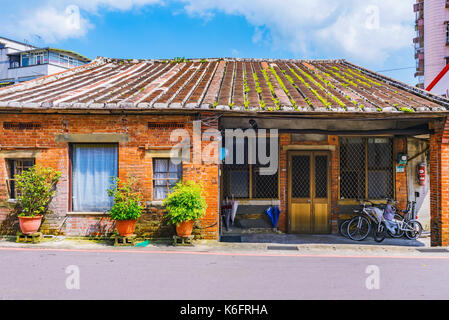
[184,229]
[30,225]
[126,228]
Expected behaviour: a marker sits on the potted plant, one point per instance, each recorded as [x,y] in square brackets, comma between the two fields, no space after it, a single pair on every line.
[127,206]
[35,189]
[185,205]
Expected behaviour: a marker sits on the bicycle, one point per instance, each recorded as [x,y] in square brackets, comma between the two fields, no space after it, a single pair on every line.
[360,226]
[409,226]
[344,228]
[344,225]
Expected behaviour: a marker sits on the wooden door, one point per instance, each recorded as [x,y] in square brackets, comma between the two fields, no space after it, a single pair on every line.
[309,192]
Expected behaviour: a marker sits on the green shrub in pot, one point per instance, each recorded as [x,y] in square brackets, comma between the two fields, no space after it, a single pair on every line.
[127,200]
[127,207]
[185,203]
[35,189]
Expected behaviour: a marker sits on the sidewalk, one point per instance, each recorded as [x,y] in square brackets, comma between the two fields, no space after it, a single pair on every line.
[255,244]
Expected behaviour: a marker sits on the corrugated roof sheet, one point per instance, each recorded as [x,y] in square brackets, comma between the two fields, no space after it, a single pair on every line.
[222,84]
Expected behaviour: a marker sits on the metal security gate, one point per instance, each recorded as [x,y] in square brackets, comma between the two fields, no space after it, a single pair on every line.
[309,192]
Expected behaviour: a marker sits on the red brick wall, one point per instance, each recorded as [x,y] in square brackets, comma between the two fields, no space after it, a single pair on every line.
[132,160]
[439,185]
[284,140]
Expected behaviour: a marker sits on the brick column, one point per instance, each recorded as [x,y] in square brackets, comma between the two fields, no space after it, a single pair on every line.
[284,140]
[400,146]
[439,185]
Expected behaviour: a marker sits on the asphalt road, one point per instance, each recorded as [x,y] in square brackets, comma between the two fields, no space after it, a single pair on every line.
[112,274]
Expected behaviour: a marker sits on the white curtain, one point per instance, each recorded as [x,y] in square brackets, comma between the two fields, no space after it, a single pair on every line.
[166,175]
[160,176]
[93,168]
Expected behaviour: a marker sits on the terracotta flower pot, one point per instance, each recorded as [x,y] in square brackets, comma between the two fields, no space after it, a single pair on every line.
[184,229]
[30,225]
[126,228]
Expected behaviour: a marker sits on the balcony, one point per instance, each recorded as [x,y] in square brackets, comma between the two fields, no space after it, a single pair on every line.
[420,6]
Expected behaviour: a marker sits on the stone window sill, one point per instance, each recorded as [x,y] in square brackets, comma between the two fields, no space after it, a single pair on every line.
[87,213]
[154,203]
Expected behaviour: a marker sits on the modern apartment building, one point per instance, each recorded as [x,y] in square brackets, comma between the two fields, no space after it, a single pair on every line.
[431,42]
[21,62]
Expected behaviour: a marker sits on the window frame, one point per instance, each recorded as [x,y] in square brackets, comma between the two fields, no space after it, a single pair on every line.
[70,170]
[393,181]
[250,170]
[10,169]
[447,32]
[153,179]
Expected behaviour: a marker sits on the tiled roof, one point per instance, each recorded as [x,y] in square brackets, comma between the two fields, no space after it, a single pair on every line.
[222,84]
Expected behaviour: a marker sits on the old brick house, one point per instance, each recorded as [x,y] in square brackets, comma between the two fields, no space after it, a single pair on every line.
[340,132]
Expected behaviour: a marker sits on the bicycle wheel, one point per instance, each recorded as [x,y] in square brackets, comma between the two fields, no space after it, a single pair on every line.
[400,233]
[379,233]
[359,228]
[417,230]
[344,228]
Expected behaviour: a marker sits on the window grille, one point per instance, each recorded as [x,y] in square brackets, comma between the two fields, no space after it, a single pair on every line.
[245,181]
[21,125]
[16,167]
[366,168]
[165,125]
[301,177]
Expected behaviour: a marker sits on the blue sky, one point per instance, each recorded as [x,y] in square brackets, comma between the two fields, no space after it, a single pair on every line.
[376,34]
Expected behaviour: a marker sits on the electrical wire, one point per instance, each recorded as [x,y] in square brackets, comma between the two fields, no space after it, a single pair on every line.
[405,68]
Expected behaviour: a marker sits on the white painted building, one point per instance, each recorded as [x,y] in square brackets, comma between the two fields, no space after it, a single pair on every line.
[21,62]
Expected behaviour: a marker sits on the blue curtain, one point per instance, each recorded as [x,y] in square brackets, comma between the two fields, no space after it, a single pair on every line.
[93,168]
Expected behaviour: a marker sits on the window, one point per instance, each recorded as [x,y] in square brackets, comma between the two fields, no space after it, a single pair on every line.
[447,32]
[14,62]
[63,60]
[25,61]
[34,58]
[16,167]
[245,181]
[165,175]
[366,168]
[94,166]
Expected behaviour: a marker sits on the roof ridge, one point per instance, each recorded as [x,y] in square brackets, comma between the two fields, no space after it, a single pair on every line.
[227,59]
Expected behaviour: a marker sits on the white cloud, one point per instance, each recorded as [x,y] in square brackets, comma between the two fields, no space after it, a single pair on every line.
[367,30]
[55,20]
[52,24]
